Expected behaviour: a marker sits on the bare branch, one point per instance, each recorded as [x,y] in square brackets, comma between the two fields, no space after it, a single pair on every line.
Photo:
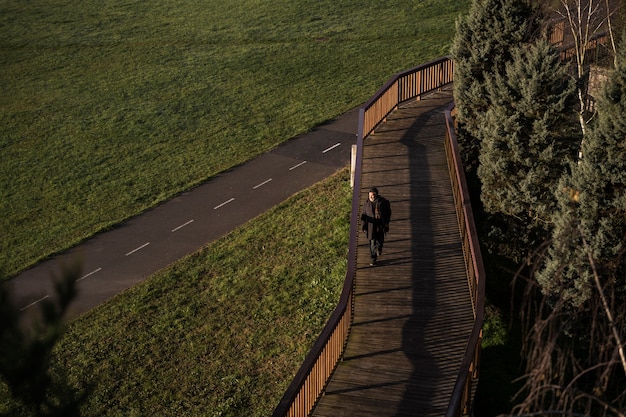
[607,311]
[558,380]
[609,25]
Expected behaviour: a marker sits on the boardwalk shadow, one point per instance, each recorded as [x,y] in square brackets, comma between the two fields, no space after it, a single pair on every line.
[420,386]
[401,356]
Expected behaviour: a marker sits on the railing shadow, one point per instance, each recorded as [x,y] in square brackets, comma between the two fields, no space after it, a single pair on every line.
[414,344]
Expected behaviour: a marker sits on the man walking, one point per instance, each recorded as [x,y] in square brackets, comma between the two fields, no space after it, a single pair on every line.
[375,217]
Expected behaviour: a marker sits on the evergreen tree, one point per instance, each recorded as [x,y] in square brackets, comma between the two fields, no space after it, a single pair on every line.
[527,143]
[575,352]
[481,47]
[592,204]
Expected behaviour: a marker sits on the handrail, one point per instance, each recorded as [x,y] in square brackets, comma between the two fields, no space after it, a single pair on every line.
[404,86]
[312,377]
[318,366]
[308,384]
[461,399]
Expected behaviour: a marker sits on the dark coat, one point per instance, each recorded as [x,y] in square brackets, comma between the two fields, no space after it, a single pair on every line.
[373,224]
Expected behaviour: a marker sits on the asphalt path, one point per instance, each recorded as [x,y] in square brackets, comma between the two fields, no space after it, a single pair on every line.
[137,248]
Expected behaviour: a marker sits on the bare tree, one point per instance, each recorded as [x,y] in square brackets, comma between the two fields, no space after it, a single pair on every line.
[572,354]
[610,11]
[584,21]
[605,304]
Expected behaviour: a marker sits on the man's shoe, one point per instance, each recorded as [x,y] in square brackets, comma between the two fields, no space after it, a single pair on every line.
[373,262]
[378,252]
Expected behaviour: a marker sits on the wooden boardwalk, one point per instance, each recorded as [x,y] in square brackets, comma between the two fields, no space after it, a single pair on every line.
[413,314]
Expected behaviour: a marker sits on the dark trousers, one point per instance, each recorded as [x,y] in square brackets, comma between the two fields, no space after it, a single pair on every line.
[376,244]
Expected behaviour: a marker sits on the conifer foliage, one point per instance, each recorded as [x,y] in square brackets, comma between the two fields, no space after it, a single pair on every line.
[527,143]
[576,351]
[518,131]
[480,48]
[592,205]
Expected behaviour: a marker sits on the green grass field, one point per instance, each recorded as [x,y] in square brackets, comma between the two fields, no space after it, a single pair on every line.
[109,108]
[223,331]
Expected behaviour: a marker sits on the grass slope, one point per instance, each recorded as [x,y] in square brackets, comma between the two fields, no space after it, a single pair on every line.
[222,332]
[108,107]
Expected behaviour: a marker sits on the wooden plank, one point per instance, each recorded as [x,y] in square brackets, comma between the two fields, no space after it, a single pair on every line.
[413,314]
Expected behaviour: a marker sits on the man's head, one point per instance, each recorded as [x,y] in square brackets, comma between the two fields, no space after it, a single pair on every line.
[373,193]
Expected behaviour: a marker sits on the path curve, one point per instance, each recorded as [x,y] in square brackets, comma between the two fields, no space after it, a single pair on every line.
[137,248]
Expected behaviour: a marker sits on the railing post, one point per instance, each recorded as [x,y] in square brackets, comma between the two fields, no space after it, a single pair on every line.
[440,82]
[418,86]
[352,165]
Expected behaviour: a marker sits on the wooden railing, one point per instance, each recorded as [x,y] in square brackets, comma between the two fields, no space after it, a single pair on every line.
[407,85]
[555,33]
[312,377]
[597,46]
[596,49]
[467,379]
[310,381]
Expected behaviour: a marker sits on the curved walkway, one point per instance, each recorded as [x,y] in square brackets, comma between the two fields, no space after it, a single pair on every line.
[412,313]
[118,259]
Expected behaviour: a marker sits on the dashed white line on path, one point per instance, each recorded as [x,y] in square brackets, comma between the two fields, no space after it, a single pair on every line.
[224,203]
[89,274]
[34,302]
[139,248]
[297,166]
[262,184]
[332,147]
[182,225]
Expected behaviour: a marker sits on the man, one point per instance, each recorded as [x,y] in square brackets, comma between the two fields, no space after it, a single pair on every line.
[375,217]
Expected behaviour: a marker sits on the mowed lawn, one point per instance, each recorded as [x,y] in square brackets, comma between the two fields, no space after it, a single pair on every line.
[108,108]
[221,332]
